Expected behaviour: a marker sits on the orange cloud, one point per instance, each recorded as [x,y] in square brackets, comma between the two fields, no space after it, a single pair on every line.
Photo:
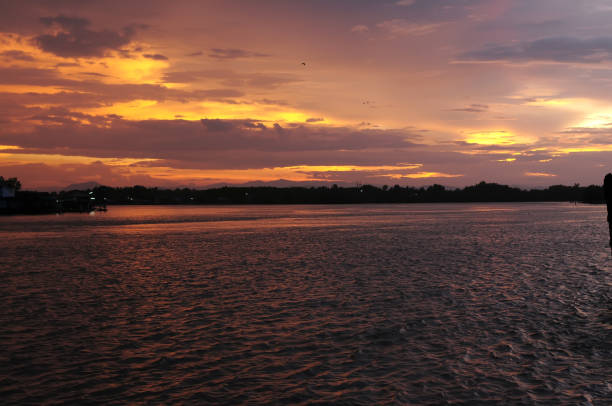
[540,174]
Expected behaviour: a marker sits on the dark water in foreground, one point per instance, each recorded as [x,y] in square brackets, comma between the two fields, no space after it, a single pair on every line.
[395,304]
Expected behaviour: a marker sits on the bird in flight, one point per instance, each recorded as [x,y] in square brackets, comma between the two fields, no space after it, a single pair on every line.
[304,63]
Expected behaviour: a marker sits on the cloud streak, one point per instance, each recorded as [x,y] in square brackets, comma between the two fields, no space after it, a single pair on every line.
[473,108]
[234,53]
[95,93]
[156,57]
[554,49]
[400,28]
[232,78]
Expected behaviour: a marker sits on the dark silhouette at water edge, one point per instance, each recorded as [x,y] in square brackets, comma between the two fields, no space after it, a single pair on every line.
[607,189]
[481,192]
[16,201]
[100,196]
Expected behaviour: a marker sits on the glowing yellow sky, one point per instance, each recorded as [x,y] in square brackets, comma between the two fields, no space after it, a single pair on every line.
[402,85]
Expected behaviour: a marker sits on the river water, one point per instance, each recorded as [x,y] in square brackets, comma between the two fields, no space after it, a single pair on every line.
[356,304]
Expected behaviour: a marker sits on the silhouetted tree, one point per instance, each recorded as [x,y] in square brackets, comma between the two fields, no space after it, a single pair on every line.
[10,182]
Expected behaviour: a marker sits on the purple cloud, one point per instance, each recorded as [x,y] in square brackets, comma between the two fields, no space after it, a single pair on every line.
[75,39]
[157,57]
[555,49]
[473,108]
[233,53]
[15,54]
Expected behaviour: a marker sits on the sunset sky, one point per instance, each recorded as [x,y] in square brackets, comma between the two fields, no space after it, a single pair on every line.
[409,92]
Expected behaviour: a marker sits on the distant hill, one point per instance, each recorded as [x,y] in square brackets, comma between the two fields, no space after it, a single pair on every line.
[279,183]
[82,186]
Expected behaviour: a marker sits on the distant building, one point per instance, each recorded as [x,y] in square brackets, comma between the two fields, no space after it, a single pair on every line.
[7,197]
[7,191]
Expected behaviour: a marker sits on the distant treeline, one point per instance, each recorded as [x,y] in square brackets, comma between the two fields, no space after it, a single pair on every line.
[16,201]
[481,192]
[29,202]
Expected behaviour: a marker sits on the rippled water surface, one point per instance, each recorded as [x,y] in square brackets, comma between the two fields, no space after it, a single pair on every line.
[364,304]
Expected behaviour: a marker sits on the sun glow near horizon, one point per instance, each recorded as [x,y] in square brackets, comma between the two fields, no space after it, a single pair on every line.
[78,84]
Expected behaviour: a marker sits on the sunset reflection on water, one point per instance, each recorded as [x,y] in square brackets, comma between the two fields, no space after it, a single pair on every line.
[294,304]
